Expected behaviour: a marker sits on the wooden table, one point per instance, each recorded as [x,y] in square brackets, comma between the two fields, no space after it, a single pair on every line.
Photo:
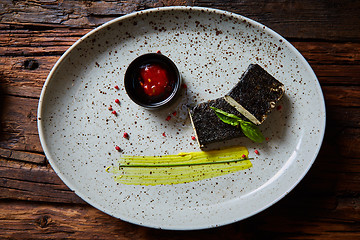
[35,204]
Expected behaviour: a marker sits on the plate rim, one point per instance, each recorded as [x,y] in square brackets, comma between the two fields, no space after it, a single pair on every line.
[88,200]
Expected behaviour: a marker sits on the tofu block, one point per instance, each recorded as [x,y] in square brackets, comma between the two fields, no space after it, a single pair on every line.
[256,94]
[207,125]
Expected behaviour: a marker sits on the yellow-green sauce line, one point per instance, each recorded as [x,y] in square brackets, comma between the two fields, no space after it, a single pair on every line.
[180,168]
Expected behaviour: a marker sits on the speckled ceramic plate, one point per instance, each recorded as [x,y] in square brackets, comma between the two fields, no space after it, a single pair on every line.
[211,48]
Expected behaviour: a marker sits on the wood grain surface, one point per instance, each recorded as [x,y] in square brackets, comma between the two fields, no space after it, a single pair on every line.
[34,202]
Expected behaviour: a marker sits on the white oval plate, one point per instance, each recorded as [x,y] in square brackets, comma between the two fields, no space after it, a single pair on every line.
[211,48]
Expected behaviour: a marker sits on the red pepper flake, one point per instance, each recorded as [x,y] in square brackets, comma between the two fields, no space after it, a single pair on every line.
[116,87]
[114,112]
[164,134]
[243,156]
[117,148]
[193,138]
[158,52]
[184,85]
[174,113]
[279,107]
[110,108]
[168,118]
[126,135]
[256,152]
[117,101]
[267,139]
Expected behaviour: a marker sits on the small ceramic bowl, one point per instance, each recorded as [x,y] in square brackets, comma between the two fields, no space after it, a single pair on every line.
[163,68]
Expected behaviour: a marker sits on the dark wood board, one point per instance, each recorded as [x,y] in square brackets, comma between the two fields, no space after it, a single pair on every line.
[35,203]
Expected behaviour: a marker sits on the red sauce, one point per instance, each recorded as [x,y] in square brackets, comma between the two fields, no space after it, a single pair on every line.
[154,80]
[151,80]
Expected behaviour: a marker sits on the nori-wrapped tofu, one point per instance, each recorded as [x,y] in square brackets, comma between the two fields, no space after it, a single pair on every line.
[207,125]
[256,94]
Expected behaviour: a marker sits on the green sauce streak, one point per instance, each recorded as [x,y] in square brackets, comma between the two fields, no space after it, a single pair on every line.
[180,168]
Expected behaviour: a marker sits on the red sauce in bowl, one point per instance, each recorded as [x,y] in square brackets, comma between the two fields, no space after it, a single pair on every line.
[152,80]
[155,80]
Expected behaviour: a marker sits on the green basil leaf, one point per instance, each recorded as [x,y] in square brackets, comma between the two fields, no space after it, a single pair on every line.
[249,129]
[252,131]
[227,117]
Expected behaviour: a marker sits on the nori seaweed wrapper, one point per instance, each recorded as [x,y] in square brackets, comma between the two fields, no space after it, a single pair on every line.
[256,94]
[208,126]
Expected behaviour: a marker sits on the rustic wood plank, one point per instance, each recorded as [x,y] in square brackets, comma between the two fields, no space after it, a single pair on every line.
[24,181]
[299,19]
[345,96]
[22,156]
[308,217]
[45,221]
[346,146]
[343,117]
[337,74]
[332,175]
[19,124]
[75,13]
[11,39]
[323,220]
[17,78]
[329,52]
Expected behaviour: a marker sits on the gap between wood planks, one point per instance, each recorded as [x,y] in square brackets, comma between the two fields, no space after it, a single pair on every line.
[24,156]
